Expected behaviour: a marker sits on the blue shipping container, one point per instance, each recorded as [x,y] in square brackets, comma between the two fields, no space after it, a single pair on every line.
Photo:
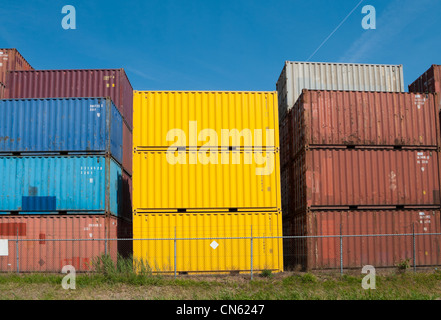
[54,184]
[69,125]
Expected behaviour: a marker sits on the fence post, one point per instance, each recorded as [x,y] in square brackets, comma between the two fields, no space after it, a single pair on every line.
[414,253]
[175,253]
[341,251]
[17,253]
[251,252]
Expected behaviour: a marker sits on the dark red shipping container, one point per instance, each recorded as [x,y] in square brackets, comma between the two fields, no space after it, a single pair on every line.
[342,118]
[429,81]
[52,247]
[385,251]
[127,149]
[112,83]
[10,60]
[347,178]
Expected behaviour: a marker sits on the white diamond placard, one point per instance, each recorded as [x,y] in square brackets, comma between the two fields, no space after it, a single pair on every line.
[214,245]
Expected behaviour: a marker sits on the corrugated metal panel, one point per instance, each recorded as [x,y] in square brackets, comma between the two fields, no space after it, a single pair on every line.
[111,83]
[32,185]
[189,184]
[197,255]
[157,113]
[61,125]
[11,59]
[44,255]
[127,149]
[324,253]
[297,76]
[340,118]
[332,177]
[429,81]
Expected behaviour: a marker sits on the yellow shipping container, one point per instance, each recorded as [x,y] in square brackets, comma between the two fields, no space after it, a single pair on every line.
[209,255]
[191,118]
[230,181]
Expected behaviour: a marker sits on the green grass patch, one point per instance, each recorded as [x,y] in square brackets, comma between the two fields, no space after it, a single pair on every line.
[135,280]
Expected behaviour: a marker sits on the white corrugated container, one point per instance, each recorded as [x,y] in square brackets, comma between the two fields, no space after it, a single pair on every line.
[297,76]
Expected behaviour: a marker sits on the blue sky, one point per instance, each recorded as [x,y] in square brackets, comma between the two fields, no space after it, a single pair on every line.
[219,44]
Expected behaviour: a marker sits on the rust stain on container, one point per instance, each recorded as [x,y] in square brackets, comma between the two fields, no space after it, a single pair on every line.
[364,177]
[349,118]
[11,60]
[386,251]
[91,83]
[45,255]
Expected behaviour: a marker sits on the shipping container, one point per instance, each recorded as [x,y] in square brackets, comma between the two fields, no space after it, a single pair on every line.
[324,178]
[385,251]
[189,180]
[47,243]
[297,76]
[209,255]
[428,82]
[246,120]
[127,149]
[60,184]
[112,83]
[10,60]
[350,118]
[73,125]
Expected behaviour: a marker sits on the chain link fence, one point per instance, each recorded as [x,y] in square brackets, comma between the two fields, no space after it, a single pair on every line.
[230,255]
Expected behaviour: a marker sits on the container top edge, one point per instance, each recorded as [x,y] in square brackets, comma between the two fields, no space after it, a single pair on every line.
[201,91]
[16,50]
[344,63]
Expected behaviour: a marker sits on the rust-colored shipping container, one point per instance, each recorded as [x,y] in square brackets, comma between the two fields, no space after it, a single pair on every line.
[49,246]
[429,81]
[347,178]
[350,118]
[385,251]
[112,83]
[10,60]
[127,149]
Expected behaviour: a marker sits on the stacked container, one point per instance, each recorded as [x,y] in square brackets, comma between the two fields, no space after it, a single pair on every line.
[429,82]
[358,163]
[65,157]
[10,59]
[206,165]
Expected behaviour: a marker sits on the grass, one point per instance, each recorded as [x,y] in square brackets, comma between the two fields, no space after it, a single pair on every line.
[120,281]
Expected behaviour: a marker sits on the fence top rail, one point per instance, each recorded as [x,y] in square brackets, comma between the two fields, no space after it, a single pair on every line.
[236,238]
